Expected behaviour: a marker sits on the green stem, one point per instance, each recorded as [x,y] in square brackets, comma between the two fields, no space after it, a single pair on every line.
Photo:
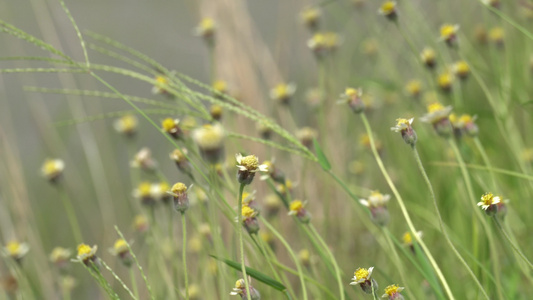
[71,215]
[241,241]
[441,223]
[404,209]
[118,279]
[397,259]
[332,258]
[134,283]
[291,253]
[184,255]
[513,245]
[486,160]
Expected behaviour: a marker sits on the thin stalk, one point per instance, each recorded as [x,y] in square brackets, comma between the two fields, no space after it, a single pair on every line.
[241,241]
[397,259]
[184,254]
[513,245]
[332,258]
[404,209]
[443,229]
[118,279]
[71,215]
[134,283]
[486,160]
[291,253]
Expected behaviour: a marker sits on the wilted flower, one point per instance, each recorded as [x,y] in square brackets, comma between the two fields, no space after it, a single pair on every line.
[388,9]
[296,208]
[489,203]
[377,204]
[120,249]
[52,169]
[172,127]
[428,57]
[392,292]
[143,159]
[60,257]
[248,166]
[354,99]
[181,198]
[87,254]
[448,33]
[209,139]
[283,92]
[404,127]
[363,278]
[126,125]
[16,250]
[240,290]
[438,116]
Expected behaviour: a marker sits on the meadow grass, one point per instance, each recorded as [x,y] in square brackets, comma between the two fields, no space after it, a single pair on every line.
[391,141]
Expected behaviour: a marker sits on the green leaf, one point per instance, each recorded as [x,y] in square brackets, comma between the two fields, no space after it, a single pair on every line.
[253,273]
[322,160]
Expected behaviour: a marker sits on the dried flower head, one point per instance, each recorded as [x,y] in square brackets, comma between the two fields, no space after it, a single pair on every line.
[52,169]
[283,92]
[306,135]
[126,125]
[240,290]
[179,156]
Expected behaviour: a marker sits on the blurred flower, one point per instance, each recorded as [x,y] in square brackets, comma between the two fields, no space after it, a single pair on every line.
[354,99]
[264,131]
[296,208]
[370,47]
[249,220]
[144,193]
[161,85]
[493,3]
[140,223]
[377,204]
[310,17]
[392,292]
[60,257]
[413,88]
[284,188]
[445,81]
[363,278]
[489,203]
[356,167]
[172,127]
[461,69]
[216,112]
[206,29]
[87,254]
[317,44]
[209,139]
[195,292]
[496,35]
[272,172]
[304,256]
[16,250]
[179,157]
[358,4]
[143,159]
[332,41]
[428,57]
[52,169]
[272,205]
[181,199]
[388,9]
[467,124]
[121,249]
[126,125]
[220,88]
[248,166]
[404,127]
[480,34]
[408,239]
[283,92]
[527,155]
[159,191]
[240,290]
[448,33]
[306,135]
[438,116]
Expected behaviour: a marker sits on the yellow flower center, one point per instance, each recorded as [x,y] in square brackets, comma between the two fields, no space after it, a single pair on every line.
[128,123]
[296,205]
[350,92]
[466,119]
[179,188]
[161,80]
[453,118]
[487,199]
[168,124]
[361,273]
[144,189]
[207,24]
[84,249]
[239,284]
[399,122]
[281,91]
[428,54]
[462,67]
[392,289]
[445,79]
[496,34]
[407,239]
[250,162]
[220,86]
[120,246]
[247,212]
[434,107]
[388,7]
[13,248]
[447,31]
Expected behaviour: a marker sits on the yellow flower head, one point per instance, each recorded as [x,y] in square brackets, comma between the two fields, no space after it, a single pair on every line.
[306,135]
[16,250]
[120,247]
[143,159]
[413,87]
[295,207]
[496,35]
[461,69]
[448,32]
[160,83]
[488,200]
[317,43]
[428,56]
[361,275]
[209,137]
[249,163]
[248,212]
[402,124]
[143,190]
[445,80]
[392,290]
[220,86]
[60,255]
[282,92]
[178,155]
[170,125]
[52,168]
[126,124]
[376,199]
[179,188]
[408,239]
[206,28]
[388,8]
[140,223]
[332,40]
[239,288]
[86,252]
[310,16]
[436,112]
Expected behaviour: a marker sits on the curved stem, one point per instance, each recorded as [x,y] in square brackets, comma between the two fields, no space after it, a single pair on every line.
[486,160]
[404,209]
[291,253]
[134,283]
[513,245]
[332,258]
[441,224]
[241,241]
[184,255]
[71,214]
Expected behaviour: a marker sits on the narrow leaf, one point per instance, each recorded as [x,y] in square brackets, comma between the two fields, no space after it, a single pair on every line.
[322,160]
